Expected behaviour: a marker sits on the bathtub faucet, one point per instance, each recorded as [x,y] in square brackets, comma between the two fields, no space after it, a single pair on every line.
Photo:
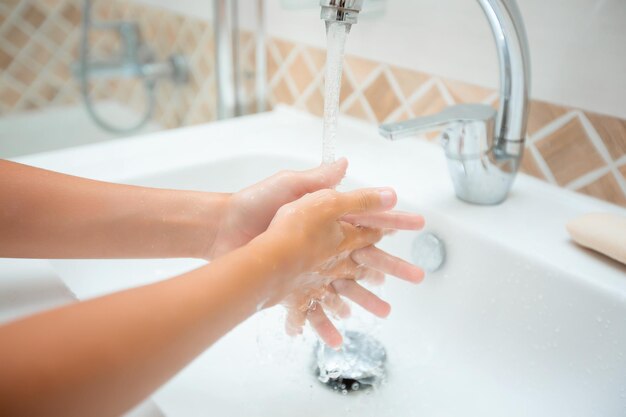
[484,148]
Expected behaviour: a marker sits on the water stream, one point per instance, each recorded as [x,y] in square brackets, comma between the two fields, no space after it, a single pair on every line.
[336,35]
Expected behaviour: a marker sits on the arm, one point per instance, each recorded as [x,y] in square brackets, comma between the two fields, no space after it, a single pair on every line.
[45,214]
[101,357]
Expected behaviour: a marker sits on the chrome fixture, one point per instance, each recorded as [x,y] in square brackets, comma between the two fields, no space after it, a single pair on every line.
[484,148]
[135,60]
[429,251]
[359,364]
[346,11]
[232,99]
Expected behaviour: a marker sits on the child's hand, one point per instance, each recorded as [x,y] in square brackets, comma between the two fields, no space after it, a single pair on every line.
[250,211]
[330,254]
[369,265]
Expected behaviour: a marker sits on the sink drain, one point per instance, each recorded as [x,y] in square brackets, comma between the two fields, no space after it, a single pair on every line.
[359,364]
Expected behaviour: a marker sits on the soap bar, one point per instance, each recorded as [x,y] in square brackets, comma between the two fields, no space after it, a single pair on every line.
[602,232]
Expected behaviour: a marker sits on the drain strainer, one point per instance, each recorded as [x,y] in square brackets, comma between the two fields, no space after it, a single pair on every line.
[360,363]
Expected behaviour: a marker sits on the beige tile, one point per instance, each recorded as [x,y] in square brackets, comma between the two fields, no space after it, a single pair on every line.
[346,88]
[318,57]
[402,117]
[188,41]
[9,96]
[360,68]
[300,73]
[357,110]
[282,94]
[249,60]
[28,105]
[33,15]
[16,37]
[569,153]
[612,130]
[606,188]
[71,14]
[54,33]
[315,103]
[381,97]
[39,53]
[284,47]
[48,92]
[541,114]
[272,66]
[60,69]
[50,4]
[5,59]
[23,73]
[622,170]
[11,3]
[467,93]
[529,165]
[408,80]
[245,36]
[429,103]
[204,66]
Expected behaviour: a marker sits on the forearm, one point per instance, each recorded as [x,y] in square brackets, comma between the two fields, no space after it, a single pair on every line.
[100,357]
[50,215]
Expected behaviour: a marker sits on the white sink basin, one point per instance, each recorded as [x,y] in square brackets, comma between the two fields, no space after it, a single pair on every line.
[518,322]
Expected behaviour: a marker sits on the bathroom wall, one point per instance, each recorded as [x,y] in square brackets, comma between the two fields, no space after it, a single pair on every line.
[39,42]
[417,57]
[410,58]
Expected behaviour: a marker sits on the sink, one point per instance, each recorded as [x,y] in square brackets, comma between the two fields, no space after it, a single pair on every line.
[517,322]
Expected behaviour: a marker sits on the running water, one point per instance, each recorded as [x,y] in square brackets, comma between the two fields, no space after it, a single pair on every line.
[336,35]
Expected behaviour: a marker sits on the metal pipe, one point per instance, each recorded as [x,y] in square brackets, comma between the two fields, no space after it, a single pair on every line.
[224,68]
[261,59]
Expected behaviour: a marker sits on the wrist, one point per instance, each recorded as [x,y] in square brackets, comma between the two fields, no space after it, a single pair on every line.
[279,263]
[208,211]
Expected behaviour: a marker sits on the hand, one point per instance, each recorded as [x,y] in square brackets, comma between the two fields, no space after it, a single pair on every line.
[367,265]
[249,212]
[309,236]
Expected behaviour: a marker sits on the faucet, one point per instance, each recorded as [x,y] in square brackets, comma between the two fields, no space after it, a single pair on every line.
[484,148]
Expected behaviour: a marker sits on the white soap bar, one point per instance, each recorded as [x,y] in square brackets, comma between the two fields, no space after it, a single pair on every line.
[602,232]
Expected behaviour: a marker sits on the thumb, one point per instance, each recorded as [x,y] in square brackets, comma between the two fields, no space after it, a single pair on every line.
[366,200]
[319,178]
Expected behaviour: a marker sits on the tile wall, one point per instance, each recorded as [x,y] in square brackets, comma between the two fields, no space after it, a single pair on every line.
[39,42]
[569,147]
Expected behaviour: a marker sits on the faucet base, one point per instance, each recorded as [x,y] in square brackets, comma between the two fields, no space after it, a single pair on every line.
[483,180]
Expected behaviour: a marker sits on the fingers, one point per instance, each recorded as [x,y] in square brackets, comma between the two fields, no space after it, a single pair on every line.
[324,327]
[387,220]
[366,299]
[295,321]
[365,200]
[389,264]
[335,305]
[359,237]
[370,275]
[309,181]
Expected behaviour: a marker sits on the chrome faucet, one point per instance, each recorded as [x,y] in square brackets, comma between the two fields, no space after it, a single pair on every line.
[484,148]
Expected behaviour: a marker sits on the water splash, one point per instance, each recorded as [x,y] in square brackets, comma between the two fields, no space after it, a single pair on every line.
[336,35]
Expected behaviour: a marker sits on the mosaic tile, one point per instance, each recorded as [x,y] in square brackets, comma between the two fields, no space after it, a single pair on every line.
[569,153]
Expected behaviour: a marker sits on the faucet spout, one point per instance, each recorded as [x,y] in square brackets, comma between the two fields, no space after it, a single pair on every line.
[346,11]
[485,149]
[508,31]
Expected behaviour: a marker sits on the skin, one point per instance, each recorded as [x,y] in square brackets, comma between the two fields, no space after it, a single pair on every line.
[102,356]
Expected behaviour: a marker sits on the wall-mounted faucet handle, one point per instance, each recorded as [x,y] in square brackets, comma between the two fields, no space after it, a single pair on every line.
[463,113]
